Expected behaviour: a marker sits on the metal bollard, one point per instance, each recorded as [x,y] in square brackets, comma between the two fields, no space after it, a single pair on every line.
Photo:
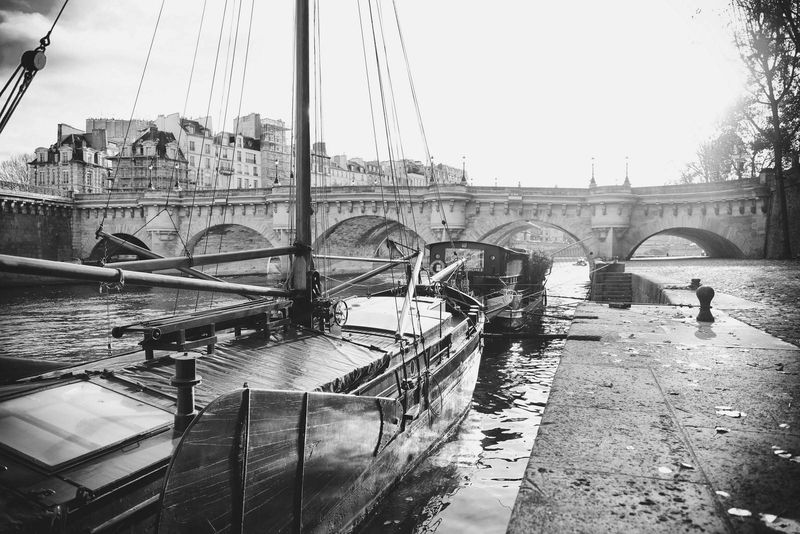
[185,380]
[695,283]
[704,295]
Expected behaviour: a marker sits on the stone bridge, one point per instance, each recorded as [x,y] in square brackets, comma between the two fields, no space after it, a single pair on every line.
[726,219]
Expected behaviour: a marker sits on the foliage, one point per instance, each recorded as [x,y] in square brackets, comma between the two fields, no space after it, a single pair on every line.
[15,169]
[772,58]
[718,159]
[767,39]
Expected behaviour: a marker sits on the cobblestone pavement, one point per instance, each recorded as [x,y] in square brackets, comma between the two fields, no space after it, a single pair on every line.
[774,283]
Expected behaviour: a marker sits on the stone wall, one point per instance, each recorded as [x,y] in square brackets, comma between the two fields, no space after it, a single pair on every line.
[37,231]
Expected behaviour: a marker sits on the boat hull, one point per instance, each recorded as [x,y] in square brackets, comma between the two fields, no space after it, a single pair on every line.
[517,314]
[289,461]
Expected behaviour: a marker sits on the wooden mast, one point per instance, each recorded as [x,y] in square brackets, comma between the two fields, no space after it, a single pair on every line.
[303,263]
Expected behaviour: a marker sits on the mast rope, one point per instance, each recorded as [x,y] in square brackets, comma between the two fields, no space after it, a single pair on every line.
[320,214]
[230,60]
[379,78]
[133,108]
[421,124]
[203,144]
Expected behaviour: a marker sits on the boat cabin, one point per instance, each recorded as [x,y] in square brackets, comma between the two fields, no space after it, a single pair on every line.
[485,263]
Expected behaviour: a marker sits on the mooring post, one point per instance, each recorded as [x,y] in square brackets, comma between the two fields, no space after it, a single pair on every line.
[185,380]
[695,283]
[704,295]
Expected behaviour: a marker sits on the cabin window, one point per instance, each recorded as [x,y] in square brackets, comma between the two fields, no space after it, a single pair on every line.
[514,267]
[474,257]
[65,423]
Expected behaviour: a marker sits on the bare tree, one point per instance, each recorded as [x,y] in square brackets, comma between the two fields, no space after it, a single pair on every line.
[771,57]
[718,159]
[15,169]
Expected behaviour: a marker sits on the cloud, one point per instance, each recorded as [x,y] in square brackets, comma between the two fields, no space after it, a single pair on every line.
[19,31]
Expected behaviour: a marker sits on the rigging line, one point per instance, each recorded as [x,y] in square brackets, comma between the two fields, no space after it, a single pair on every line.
[318,162]
[184,242]
[383,107]
[388,131]
[319,133]
[402,155]
[13,98]
[135,102]
[229,77]
[419,120]
[180,131]
[291,159]
[385,110]
[396,186]
[216,157]
[220,150]
[47,37]
[394,120]
[3,90]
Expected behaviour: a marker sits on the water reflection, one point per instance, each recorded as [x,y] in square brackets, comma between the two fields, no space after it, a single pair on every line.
[470,483]
[73,323]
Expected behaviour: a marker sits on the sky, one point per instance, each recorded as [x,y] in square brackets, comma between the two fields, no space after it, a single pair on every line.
[516,91]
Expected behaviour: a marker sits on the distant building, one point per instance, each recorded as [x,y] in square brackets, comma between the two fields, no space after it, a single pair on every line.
[117,129]
[152,161]
[256,154]
[78,162]
[196,141]
[275,152]
[238,161]
[445,174]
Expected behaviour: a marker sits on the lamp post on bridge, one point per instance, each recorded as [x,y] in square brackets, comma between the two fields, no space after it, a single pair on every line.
[276,182]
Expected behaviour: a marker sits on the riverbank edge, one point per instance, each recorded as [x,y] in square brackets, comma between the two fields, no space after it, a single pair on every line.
[639,433]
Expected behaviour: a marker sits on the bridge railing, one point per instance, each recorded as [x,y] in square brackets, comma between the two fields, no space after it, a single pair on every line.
[36,189]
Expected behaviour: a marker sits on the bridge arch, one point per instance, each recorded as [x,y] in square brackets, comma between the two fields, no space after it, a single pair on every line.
[108,252]
[714,245]
[363,236]
[502,234]
[231,237]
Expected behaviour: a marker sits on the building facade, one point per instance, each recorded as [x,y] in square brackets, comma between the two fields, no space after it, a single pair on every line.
[77,163]
[152,161]
[178,150]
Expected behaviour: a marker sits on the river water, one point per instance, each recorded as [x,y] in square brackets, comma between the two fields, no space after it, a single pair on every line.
[468,485]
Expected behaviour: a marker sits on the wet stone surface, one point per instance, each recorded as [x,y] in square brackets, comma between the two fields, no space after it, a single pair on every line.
[772,283]
[662,424]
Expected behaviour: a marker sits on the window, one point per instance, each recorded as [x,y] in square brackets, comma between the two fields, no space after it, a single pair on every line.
[238,155]
[206,149]
[238,183]
[255,171]
[247,183]
[191,146]
[65,423]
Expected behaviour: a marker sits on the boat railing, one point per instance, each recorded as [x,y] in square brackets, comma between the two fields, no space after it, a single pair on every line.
[396,369]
